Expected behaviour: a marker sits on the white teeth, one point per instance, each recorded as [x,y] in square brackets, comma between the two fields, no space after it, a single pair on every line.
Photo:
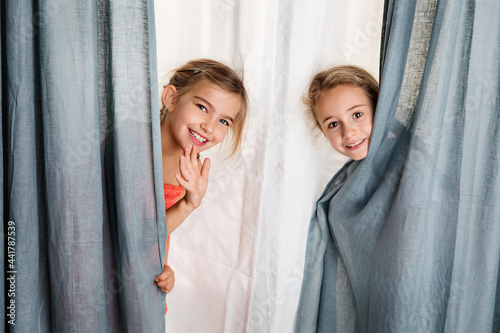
[197,136]
[355,143]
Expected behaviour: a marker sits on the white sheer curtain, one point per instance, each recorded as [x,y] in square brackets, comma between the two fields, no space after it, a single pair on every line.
[239,258]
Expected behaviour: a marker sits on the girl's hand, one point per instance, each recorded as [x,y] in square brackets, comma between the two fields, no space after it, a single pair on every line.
[166,280]
[194,176]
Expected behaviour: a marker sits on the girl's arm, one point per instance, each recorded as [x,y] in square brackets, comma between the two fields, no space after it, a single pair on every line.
[177,214]
[194,179]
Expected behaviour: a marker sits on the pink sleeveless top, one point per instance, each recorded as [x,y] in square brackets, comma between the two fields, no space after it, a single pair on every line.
[172,192]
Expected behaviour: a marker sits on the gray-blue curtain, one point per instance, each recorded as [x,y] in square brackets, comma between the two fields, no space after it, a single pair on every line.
[408,240]
[81,167]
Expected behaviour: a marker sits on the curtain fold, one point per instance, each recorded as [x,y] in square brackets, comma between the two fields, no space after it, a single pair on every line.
[82,167]
[408,239]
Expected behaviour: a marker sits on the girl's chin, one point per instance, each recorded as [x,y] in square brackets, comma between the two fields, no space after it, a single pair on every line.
[353,155]
[203,147]
[359,157]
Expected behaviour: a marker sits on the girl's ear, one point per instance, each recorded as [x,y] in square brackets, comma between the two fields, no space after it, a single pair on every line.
[168,97]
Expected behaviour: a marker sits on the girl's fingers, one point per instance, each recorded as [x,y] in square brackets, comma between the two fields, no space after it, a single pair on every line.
[182,181]
[205,168]
[194,155]
[189,164]
[162,283]
[187,153]
[187,158]
[184,168]
[161,277]
[166,289]
[166,280]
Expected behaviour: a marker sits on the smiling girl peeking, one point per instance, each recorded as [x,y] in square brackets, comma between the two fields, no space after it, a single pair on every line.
[202,102]
[342,101]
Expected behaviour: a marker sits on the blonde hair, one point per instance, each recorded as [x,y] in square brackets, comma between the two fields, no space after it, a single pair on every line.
[336,76]
[198,71]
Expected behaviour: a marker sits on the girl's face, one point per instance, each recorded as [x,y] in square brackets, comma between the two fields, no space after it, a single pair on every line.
[202,116]
[345,115]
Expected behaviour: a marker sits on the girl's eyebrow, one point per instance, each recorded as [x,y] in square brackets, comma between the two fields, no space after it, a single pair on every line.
[354,106]
[326,119]
[206,102]
[213,109]
[350,109]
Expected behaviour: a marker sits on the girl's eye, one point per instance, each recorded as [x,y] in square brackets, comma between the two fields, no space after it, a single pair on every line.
[202,108]
[356,115]
[333,124]
[224,122]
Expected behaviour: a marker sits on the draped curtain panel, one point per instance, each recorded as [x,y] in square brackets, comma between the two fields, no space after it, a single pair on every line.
[83,233]
[238,259]
[408,240]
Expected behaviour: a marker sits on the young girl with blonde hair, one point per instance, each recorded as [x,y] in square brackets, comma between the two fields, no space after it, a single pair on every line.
[341,101]
[203,101]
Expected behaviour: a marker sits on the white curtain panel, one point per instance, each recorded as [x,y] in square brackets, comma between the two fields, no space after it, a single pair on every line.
[239,257]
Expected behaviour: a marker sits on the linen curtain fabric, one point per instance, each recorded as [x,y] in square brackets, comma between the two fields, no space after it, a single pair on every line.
[81,167]
[408,240]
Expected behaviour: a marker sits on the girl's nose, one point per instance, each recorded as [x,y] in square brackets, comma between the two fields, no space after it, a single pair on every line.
[209,124]
[349,132]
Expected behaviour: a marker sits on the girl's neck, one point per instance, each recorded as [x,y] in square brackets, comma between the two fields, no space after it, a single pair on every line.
[169,148]
[170,153]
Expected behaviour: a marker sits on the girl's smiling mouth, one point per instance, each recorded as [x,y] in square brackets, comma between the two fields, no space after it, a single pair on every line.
[355,145]
[197,138]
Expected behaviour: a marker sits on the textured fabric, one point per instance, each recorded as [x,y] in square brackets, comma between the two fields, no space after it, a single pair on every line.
[408,240]
[83,165]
